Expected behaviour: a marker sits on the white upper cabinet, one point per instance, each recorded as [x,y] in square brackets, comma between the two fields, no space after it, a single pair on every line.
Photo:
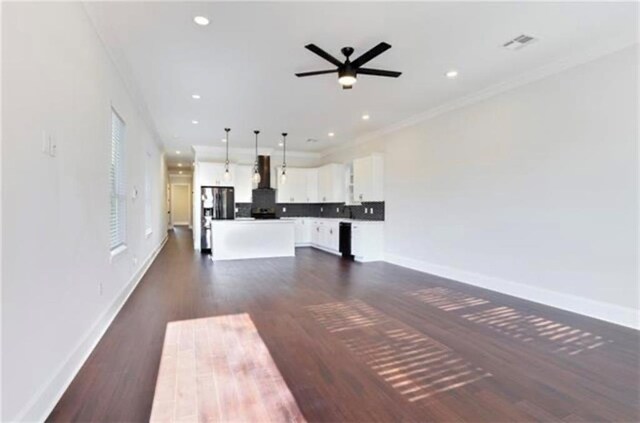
[331,187]
[368,178]
[243,183]
[212,174]
[301,186]
[315,185]
[294,189]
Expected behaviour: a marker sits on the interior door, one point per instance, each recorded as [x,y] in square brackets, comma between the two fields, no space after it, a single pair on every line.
[180,204]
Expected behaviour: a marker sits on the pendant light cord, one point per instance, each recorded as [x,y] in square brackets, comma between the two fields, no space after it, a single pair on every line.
[227,154]
[284,151]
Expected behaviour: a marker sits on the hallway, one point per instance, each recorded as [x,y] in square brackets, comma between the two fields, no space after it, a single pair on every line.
[345,337]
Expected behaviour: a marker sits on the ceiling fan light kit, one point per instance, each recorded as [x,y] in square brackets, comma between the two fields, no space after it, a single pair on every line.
[348,71]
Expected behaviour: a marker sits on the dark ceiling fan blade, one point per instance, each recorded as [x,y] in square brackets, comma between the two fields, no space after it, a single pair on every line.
[320,52]
[315,73]
[379,72]
[374,52]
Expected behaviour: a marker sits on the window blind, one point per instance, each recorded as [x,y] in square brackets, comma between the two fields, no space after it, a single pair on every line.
[117,181]
[147,193]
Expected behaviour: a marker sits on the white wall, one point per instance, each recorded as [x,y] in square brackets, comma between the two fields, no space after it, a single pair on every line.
[59,287]
[533,192]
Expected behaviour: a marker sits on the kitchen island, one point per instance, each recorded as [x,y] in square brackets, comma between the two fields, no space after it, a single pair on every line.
[248,239]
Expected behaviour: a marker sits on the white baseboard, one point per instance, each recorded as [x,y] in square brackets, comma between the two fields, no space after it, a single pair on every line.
[624,316]
[43,401]
[326,250]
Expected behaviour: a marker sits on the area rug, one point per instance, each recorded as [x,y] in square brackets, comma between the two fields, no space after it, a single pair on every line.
[218,369]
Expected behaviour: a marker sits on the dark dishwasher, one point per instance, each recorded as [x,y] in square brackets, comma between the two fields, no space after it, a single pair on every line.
[345,240]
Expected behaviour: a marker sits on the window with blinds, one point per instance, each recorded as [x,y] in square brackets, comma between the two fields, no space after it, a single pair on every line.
[147,194]
[118,215]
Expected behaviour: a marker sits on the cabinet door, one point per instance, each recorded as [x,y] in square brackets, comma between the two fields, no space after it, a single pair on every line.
[299,186]
[334,236]
[324,184]
[283,193]
[315,232]
[322,235]
[356,240]
[312,185]
[305,231]
[362,178]
[243,184]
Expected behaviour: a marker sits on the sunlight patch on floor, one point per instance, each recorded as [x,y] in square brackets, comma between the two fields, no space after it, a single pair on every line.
[530,328]
[341,316]
[413,364]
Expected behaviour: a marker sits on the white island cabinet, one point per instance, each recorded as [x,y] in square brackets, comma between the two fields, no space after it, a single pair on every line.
[249,239]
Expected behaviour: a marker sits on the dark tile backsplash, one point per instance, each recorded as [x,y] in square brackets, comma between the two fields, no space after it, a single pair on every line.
[267,198]
[264,198]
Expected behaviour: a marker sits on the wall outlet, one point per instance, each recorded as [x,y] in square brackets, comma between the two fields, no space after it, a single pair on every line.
[321,209]
[366,210]
[284,210]
[337,209]
[49,146]
[236,210]
[371,210]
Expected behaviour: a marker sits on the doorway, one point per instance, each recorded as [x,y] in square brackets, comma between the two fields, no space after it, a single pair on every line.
[180,204]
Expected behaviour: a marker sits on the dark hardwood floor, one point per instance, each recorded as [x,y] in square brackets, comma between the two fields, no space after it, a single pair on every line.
[368,342]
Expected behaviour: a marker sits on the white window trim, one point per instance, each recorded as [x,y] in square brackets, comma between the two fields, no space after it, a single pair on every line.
[122,246]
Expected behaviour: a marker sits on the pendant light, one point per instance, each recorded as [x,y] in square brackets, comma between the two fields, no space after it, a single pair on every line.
[256,173]
[283,177]
[227,175]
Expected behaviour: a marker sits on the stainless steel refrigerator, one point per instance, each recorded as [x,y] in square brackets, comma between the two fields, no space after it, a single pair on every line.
[217,204]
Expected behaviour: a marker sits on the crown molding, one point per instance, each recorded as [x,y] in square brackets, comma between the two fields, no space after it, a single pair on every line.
[491,91]
[123,69]
[205,150]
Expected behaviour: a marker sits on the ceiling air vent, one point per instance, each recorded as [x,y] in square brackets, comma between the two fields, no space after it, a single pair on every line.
[519,42]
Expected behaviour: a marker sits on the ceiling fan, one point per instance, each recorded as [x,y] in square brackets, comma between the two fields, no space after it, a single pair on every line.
[348,71]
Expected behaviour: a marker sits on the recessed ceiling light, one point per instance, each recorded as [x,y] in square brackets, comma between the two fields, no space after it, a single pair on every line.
[331,134]
[177,151]
[223,140]
[280,144]
[365,117]
[451,74]
[195,96]
[201,20]
[179,164]
[180,173]
[195,122]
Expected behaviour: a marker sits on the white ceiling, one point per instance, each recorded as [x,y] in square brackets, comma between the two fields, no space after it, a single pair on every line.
[243,63]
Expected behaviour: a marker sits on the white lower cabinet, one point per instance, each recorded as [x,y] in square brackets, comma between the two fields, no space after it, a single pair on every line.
[302,232]
[366,237]
[367,240]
